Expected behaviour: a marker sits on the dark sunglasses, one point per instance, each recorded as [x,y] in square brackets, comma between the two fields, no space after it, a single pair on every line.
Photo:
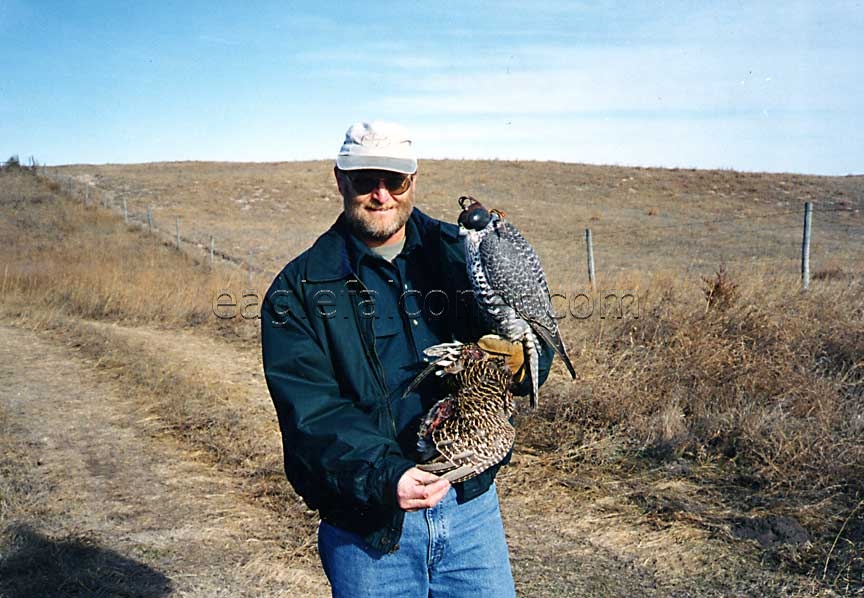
[366,181]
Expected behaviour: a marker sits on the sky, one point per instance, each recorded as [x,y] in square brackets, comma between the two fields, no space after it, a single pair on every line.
[749,86]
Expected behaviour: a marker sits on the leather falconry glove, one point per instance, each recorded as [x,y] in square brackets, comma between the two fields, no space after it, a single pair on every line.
[512,352]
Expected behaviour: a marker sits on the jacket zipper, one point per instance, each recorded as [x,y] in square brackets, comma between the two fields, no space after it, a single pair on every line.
[370,352]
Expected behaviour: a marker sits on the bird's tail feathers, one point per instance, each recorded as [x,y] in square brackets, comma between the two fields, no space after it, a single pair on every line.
[445,355]
[533,367]
[557,344]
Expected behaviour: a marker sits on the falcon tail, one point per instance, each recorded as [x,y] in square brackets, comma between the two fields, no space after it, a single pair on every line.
[556,343]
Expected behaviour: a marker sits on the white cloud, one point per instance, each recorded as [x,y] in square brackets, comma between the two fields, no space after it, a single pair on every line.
[751,87]
[637,79]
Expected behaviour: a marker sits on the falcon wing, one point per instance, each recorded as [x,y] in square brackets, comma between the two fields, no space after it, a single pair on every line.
[513,270]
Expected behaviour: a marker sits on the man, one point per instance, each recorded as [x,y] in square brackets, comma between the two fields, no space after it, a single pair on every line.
[343,330]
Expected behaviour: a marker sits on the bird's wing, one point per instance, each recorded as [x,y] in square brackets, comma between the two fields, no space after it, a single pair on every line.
[446,356]
[514,272]
[470,452]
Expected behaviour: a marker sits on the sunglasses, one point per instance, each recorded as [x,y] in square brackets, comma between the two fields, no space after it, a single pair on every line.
[367,181]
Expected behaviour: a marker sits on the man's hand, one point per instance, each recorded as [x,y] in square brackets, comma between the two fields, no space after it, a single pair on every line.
[420,490]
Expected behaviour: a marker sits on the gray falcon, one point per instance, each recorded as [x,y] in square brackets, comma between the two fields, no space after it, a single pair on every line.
[509,285]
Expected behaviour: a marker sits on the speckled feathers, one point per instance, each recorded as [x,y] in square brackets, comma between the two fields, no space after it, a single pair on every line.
[509,284]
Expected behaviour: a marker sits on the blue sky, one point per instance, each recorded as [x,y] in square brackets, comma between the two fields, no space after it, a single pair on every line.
[756,86]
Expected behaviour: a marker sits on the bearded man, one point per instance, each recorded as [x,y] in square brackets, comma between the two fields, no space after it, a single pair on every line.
[344,326]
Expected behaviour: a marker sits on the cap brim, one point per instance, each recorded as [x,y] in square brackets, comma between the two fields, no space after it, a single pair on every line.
[401,165]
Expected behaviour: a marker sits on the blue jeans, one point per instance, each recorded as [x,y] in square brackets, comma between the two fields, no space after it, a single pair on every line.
[450,550]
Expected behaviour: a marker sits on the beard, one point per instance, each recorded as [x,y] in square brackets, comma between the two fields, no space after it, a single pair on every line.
[378,226]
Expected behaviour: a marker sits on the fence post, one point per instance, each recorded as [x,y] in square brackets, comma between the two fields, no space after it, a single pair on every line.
[805,245]
[177,226]
[125,212]
[590,248]
[211,252]
[150,218]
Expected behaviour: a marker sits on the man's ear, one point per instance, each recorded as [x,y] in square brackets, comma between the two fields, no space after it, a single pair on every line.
[337,174]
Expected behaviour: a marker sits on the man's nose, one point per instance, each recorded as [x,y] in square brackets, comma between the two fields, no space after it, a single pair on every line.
[381,193]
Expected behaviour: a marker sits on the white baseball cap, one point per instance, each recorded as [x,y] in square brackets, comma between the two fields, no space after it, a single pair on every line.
[377,145]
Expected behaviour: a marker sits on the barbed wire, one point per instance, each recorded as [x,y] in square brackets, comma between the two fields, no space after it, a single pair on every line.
[726,220]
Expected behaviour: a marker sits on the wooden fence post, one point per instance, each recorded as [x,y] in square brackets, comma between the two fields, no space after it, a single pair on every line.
[125,212]
[150,218]
[177,226]
[805,245]
[211,252]
[590,248]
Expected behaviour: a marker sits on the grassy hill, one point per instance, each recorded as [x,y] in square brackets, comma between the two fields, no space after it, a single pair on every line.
[642,220]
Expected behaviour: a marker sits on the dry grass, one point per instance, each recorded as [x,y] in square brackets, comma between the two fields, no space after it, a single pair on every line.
[66,258]
[760,404]
[70,266]
[272,212]
[734,401]
[93,457]
[178,379]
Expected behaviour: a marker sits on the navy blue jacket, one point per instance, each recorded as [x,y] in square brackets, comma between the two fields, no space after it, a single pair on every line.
[337,414]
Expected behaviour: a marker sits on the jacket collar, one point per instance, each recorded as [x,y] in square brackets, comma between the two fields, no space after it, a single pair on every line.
[329,257]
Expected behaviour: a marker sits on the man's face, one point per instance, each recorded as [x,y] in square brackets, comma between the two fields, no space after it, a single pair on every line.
[377,203]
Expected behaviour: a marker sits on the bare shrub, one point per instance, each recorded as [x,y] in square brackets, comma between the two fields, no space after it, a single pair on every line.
[13,164]
[720,292]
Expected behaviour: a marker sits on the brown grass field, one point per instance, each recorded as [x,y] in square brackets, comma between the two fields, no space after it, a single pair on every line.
[714,444]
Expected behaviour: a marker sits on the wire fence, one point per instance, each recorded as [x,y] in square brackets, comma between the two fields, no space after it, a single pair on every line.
[772,235]
[173,233]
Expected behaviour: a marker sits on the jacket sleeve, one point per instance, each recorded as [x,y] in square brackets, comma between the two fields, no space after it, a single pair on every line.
[331,444]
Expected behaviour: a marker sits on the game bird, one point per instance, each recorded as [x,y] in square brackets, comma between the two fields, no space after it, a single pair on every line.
[469,430]
[509,285]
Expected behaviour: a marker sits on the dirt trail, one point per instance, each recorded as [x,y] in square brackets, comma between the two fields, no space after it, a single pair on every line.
[93,496]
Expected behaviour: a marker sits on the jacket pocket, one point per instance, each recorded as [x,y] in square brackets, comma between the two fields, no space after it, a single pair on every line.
[386,327]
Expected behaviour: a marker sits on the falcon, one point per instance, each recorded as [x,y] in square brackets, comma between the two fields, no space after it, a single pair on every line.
[509,285]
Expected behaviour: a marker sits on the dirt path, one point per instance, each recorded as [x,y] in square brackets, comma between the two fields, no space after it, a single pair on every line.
[95,504]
